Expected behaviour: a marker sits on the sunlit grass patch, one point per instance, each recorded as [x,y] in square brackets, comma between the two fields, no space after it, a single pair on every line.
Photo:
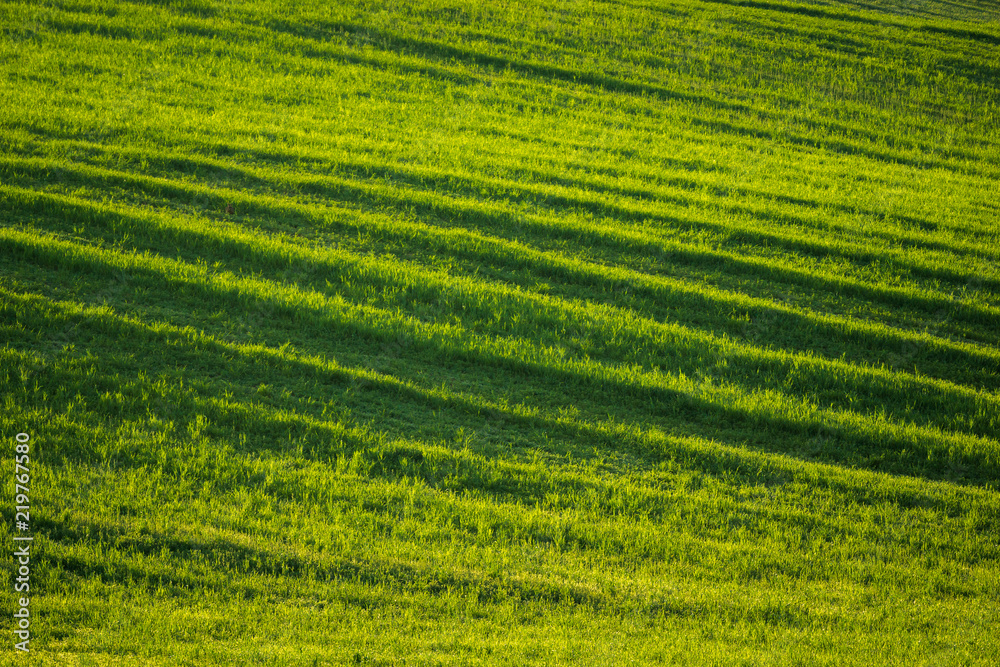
[550,333]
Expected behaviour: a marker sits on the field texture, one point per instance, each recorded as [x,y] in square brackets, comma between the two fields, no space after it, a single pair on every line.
[503,332]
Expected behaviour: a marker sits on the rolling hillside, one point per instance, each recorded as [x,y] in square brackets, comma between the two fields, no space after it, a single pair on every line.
[446,333]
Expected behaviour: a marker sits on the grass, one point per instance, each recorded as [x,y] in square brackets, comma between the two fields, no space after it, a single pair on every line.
[539,333]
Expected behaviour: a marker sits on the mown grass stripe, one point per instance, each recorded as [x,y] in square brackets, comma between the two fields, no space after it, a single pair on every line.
[758,406]
[710,455]
[601,234]
[605,333]
[518,254]
[362,164]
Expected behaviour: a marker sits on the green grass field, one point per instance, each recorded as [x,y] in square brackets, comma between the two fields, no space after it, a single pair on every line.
[603,333]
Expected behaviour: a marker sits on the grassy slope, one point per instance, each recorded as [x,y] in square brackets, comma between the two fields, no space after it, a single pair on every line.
[564,333]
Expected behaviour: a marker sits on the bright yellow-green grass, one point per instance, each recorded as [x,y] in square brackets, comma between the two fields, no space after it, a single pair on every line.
[526,333]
